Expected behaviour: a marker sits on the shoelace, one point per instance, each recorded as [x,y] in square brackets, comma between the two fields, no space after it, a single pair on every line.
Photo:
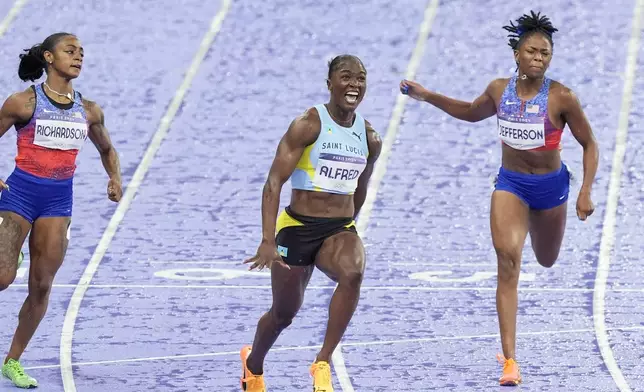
[250,380]
[16,368]
[503,361]
[322,373]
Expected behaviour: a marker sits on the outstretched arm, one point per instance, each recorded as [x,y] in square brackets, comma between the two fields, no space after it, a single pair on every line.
[99,135]
[481,108]
[375,146]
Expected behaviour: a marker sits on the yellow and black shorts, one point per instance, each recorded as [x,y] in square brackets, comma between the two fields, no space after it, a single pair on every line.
[299,238]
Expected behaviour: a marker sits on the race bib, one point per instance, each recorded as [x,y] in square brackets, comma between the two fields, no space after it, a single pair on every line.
[59,134]
[338,173]
[523,136]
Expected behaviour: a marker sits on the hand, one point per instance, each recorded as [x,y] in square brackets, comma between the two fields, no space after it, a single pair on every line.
[114,190]
[585,206]
[266,256]
[413,89]
[3,186]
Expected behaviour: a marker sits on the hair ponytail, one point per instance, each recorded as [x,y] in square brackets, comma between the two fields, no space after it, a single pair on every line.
[32,62]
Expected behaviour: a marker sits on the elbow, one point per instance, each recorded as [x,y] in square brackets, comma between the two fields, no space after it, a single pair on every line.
[591,147]
[470,116]
[272,186]
[107,151]
[467,118]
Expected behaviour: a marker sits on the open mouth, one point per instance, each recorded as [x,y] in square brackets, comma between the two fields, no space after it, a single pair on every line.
[76,66]
[351,97]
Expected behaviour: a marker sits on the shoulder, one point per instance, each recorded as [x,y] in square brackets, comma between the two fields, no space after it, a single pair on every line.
[91,106]
[310,117]
[309,120]
[21,104]
[497,86]
[374,141]
[563,96]
[93,110]
[305,128]
[21,97]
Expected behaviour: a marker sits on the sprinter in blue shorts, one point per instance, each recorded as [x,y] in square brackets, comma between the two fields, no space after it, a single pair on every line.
[52,121]
[532,184]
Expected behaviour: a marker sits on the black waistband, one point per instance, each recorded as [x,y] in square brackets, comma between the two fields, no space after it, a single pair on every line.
[312,220]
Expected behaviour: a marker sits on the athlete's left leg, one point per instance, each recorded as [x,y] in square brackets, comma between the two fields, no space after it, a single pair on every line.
[341,258]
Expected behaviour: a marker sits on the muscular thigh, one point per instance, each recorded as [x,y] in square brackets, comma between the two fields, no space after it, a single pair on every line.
[288,287]
[13,231]
[508,223]
[48,244]
[341,254]
[547,229]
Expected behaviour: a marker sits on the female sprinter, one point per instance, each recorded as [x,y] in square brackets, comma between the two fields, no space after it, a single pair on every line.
[532,186]
[52,121]
[329,153]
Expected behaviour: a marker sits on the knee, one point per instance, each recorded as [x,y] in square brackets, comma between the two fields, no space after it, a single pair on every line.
[547,262]
[509,265]
[6,280]
[351,277]
[40,286]
[547,259]
[282,318]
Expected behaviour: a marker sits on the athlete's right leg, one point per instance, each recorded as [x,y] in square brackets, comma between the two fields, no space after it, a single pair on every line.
[288,294]
[13,231]
[47,247]
[509,226]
